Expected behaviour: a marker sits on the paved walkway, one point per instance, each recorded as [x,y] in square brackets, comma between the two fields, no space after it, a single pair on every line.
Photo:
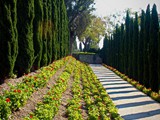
[132,104]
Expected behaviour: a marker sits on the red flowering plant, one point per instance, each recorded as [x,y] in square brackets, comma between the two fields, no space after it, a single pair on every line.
[5,110]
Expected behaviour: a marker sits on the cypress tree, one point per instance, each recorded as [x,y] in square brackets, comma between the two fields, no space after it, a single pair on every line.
[8,37]
[65,31]
[55,29]
[135,47]
[153,47]
[61,39]
[49,32]
[126,48]
[44,59]
[58,3]
[146,48]
[122,48]
[141,48]
[117,47]
[131,48]
[37,32]
[105,55]
[159,62]
[25,15]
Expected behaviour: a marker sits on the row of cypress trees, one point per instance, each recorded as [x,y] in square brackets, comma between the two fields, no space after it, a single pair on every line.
[134,48]
[33,33]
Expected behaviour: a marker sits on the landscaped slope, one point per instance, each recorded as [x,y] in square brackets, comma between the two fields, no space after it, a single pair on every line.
[66,89]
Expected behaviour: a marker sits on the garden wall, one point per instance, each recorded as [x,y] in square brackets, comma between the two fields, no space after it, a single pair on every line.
[88,58]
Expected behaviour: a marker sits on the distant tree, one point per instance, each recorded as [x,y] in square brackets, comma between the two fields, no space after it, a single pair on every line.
[80,47]
[153,50]
[25,15]
[75,9]
[93,32]
[8,38]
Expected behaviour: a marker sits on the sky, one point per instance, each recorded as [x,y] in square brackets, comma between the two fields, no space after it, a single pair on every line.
[107,7]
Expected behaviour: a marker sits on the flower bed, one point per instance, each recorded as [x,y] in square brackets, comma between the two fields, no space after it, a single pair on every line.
[19,94]
[74,105]
[99,105]
[47,109]
[136,84]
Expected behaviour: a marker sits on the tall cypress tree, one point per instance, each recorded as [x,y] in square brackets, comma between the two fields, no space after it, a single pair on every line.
[135,47]
[65,31]
[159,62]
[105,55]
[37,32]
[141,48]
[153,47]
[49,31]
[122,49]
[25,15]
[55,29]
[146,47]
[44,59]
[58,3]
[126,54]
[8,37]
[131,48]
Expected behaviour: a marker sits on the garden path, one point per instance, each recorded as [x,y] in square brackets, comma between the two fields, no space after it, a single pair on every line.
[132,104]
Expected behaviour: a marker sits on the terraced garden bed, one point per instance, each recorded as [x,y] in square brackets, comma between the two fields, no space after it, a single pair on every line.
[65,90]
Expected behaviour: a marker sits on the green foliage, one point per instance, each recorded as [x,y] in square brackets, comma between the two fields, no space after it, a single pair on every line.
[8,37]
[93,33]
[25,15]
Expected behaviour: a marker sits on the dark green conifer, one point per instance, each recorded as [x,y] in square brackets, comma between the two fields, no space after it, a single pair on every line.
[44,60]
[37,32]
[153,50]
[146,48]
[135,47]
[8,37]
[141,48]
[25,13]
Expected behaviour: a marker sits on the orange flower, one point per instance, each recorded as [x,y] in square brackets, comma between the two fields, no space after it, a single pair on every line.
[8,100]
